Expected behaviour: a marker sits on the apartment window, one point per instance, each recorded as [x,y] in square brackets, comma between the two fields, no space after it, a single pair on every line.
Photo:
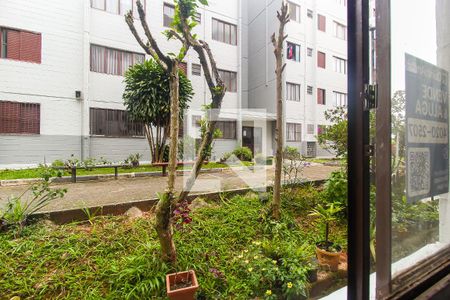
[340,65]
[224,32]
[321,96]
[125,6]
[168,13]
[293,132]
[228,129]
[340,31]
[321,23]
[340,99]
[230,80]
[309,51]
[293,52]
[321,59]
[294,12]
[20,45]
[309,90]
[117,6]
[309,13]
[292,92]
[112,61]
[198,18]
[113,123]
[98,4]
[196,69]
[310,129]
[342,2]
[19,118]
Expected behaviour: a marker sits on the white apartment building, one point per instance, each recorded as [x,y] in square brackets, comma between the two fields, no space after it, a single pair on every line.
[62,66]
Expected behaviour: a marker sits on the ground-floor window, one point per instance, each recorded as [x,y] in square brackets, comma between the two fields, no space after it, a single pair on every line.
[20,118]
[228,129]
[293,132]
[114,123]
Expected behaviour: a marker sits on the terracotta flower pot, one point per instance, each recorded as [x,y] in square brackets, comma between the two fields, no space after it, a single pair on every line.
[181,286]
[326,258]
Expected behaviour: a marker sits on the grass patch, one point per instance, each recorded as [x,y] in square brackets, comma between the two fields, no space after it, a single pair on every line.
[236,253]
[8,174]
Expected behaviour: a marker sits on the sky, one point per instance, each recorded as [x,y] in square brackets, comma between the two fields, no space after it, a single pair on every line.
[413,31]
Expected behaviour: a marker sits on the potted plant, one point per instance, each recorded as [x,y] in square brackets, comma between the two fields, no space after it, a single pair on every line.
[133,159]
[328,253]
[181,286]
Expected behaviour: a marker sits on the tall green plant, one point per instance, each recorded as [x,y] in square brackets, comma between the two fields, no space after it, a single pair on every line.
[326,215]
[19,209]
[147,99]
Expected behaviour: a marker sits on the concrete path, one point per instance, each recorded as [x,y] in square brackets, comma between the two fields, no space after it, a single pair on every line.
[95,193]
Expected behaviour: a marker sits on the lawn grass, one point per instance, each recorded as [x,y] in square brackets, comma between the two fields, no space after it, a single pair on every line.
[236,251]
[9,174]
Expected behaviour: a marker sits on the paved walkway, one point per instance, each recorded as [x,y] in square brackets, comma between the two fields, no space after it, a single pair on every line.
[87,194]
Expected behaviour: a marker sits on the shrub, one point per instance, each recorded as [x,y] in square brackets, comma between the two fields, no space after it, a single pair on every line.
[18,210]
[243,153]
[261,159]
[335,189]
[133,159]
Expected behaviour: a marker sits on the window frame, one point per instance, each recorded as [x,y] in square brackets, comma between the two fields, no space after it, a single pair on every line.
[220,35]
[297,51]
[340,65]
[309,89]
[119,9]
[120,62]
[298,12]
[230,83]
[336,26]
[297,132]
[319,56]
[321,23]
[220,125]
[290,86]
[310,129]
[171,6]
[321,96]
[341,98]
[22,55]
[121,114]
[196,69]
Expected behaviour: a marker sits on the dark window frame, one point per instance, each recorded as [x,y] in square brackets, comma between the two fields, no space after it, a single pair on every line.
[227,133]
[125,127]
[221,36]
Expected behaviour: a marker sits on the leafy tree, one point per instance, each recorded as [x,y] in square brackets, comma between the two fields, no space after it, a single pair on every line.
[278,42]
[334,137]
[147,98]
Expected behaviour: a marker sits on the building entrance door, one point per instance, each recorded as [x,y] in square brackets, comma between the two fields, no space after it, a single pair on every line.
[252,138]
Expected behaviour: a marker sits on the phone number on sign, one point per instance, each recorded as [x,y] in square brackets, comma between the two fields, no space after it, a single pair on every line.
[427,132]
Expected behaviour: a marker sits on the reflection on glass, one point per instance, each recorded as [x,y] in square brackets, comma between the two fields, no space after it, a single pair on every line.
[420,209]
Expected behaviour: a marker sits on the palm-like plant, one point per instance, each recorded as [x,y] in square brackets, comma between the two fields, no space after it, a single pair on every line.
[326,215]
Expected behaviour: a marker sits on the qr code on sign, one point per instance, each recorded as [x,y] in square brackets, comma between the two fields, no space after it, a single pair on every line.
[419,179]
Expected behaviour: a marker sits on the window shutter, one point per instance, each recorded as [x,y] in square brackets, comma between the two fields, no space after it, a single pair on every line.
[321,60]
[321,23]
[30,47]
[13,48]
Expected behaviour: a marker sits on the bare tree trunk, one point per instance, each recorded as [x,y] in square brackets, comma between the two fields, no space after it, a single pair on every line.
[149,135]
[201,157]
[164,208]
[283,17]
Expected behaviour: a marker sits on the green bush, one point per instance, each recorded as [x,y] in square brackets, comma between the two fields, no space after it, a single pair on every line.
[336,188]
[243,153]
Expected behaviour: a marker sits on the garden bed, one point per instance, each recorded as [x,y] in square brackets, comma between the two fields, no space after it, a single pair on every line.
[235,250]
[30,173]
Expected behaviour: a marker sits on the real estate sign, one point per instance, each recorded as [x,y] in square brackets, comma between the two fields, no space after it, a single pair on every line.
[427,152]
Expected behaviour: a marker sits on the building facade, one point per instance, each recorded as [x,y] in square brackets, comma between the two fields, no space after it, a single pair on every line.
[62,66]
